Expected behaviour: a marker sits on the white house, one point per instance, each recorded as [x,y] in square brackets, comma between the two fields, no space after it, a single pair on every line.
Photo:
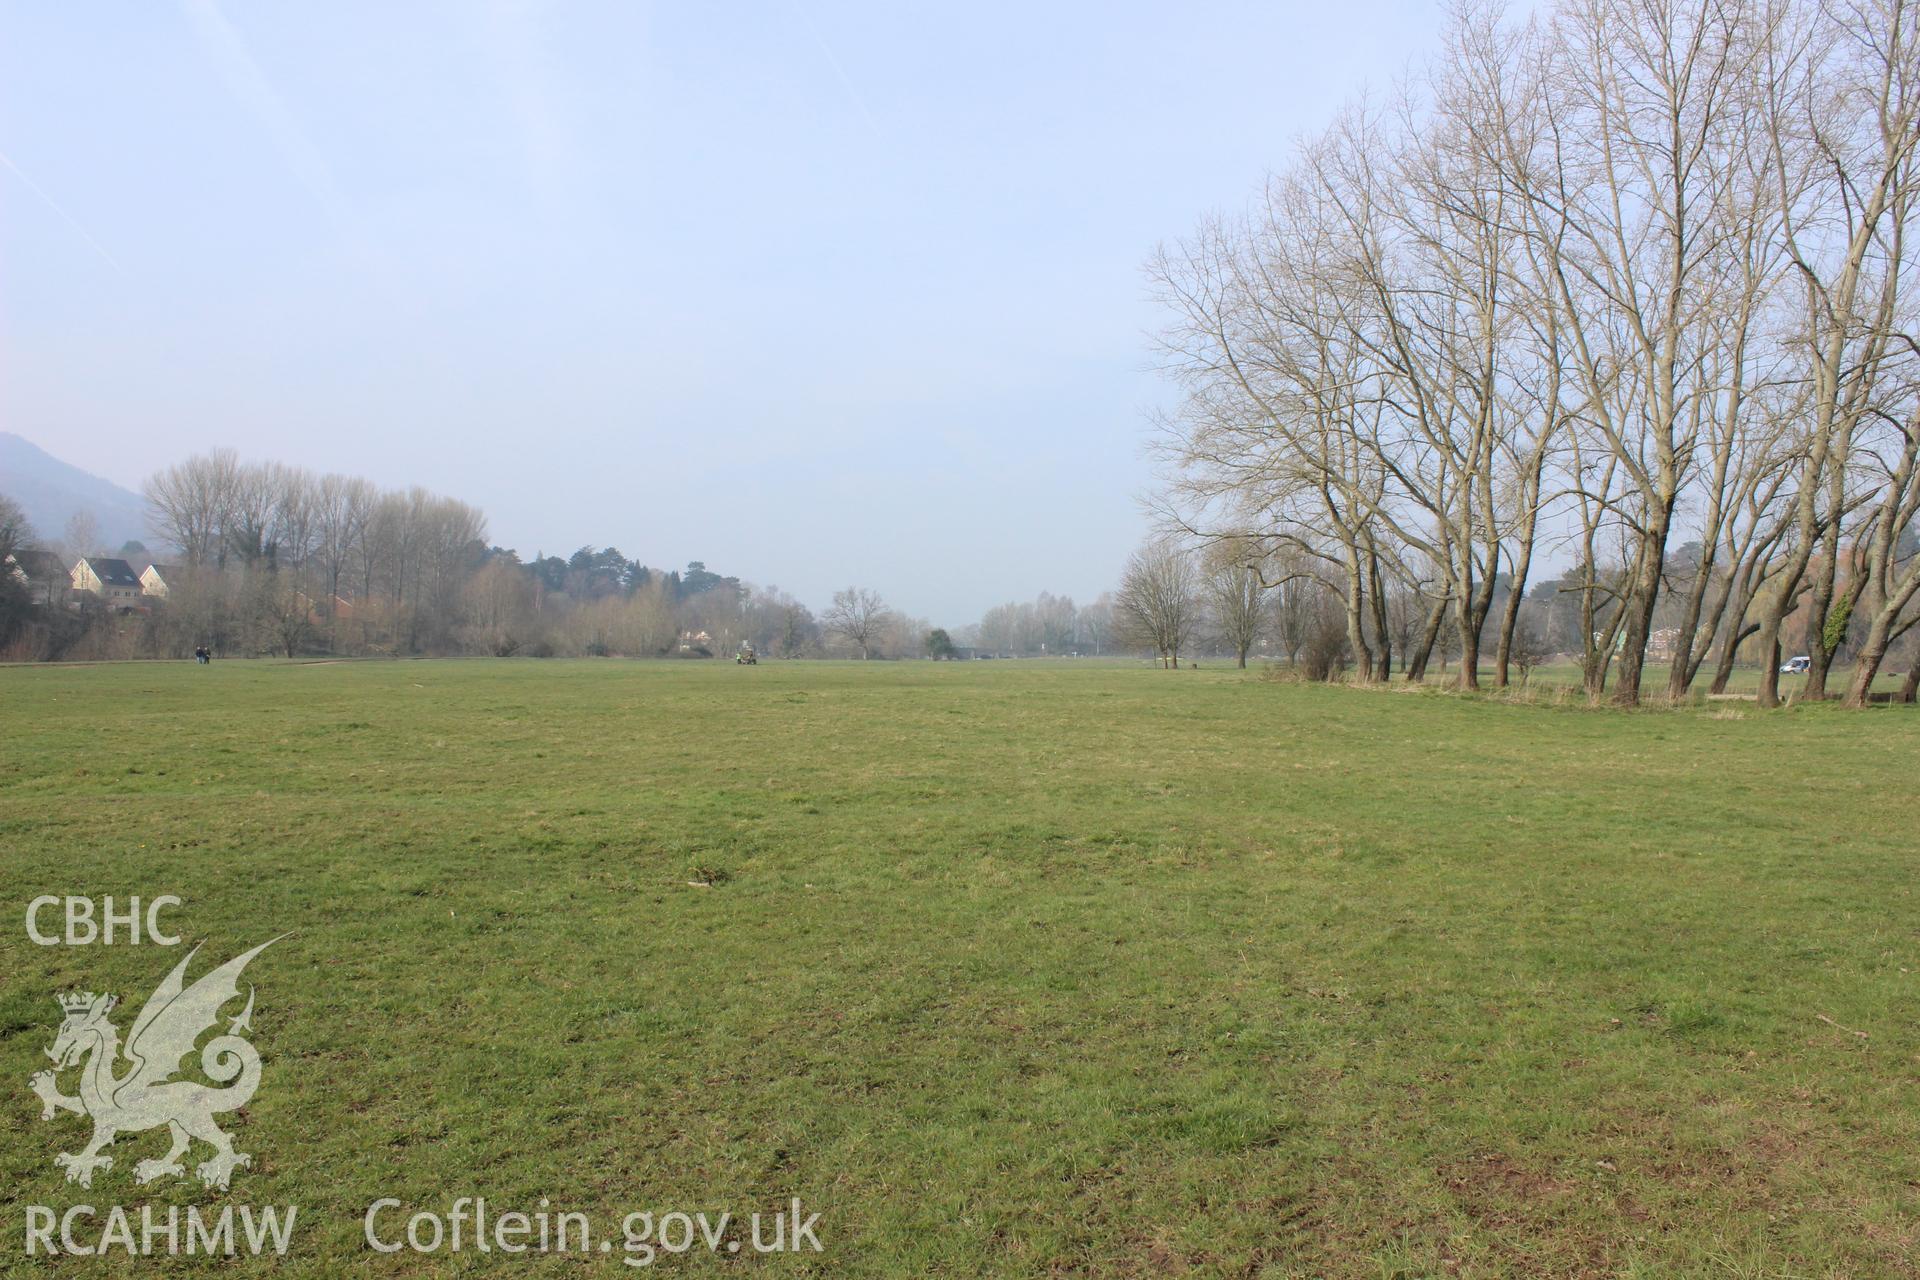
[153,580]
[110,580]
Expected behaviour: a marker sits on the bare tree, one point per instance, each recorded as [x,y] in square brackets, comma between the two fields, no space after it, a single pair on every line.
[1053,619]
[1236,598]
[187,503]
[1845,122]
[1893,587]
[1294,596]
[248,518]
[500,615]
[343,506]
[448,539]
[296,516]
[780,625]
[1093,625]
[1157,603]
[1631,272]
[857,616]
[285,614]
[81,537]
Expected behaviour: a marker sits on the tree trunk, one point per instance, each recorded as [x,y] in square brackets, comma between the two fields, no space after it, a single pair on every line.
[1522,564]
[1473,620]
[1356,624]
[1417,668]
[1469,648]
[1680,677]
[1880,635]
[1377,593]
[1510,617]
[1640,605]
[1769,669]
[1723,671]
[1821,602]
[1819,657]
[1593,669]
[1867,665]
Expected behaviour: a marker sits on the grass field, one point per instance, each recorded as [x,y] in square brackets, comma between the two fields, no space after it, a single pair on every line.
[1003,969]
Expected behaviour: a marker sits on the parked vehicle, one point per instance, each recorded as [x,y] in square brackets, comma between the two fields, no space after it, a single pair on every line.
[1797,666]
[746,657]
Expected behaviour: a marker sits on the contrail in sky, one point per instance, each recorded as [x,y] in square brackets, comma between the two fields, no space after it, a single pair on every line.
[54,205]
[846,80]
[248,83]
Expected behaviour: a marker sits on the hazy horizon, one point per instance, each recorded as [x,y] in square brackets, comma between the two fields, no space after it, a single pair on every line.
[818,294]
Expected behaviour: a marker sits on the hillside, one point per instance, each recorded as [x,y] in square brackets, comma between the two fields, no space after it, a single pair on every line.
[52,492]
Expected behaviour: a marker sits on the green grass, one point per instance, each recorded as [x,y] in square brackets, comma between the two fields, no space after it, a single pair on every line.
[1003,968]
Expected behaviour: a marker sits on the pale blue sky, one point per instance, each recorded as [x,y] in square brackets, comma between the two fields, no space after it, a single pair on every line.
[819,293]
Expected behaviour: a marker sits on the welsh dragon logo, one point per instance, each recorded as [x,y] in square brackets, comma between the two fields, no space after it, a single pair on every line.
[148,1095]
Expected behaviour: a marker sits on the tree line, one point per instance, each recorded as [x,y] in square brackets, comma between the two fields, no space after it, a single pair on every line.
[1046,626]
[1624,285]
[269,558]
[1170,602]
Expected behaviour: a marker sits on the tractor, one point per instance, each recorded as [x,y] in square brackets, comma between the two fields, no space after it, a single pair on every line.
[746,657]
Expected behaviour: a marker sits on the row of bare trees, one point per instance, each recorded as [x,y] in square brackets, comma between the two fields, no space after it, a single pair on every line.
[306,548]
[1626,276]
[1173,601]
[1045,626]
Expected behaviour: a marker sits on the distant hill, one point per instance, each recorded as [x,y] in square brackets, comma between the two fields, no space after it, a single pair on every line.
[52,491]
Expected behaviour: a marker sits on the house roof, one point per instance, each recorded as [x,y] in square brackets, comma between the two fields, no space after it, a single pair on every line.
[164,570]
[38,564]
[113,573]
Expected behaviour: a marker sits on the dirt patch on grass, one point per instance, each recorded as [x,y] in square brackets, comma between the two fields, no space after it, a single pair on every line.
[1529,1217]
[1487,1187]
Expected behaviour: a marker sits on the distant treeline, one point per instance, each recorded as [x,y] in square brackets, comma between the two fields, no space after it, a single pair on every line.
[267,558]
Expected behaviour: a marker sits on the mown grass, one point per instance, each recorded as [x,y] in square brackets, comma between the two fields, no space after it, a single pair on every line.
[1004,969]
